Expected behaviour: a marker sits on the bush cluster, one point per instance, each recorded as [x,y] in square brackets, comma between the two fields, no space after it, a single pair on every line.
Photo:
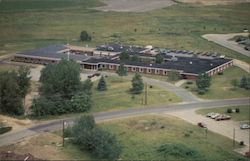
[89,137]
[61,90]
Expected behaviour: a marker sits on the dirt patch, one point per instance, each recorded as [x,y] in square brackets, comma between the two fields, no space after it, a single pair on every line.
[44,146]
[15,123]
[134,5]
[214,2]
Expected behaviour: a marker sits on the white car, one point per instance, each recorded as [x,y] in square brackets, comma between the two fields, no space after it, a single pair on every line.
[215,115]
[245,126]
[210,114]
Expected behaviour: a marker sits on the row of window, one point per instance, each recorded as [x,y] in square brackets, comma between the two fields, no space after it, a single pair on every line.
[134,69]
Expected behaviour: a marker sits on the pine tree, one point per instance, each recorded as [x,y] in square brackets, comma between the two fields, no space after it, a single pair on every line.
[122,71]
[102,85]
[243,82]
[137,84]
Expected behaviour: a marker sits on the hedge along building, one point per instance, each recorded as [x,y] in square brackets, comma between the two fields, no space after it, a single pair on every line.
[189,67]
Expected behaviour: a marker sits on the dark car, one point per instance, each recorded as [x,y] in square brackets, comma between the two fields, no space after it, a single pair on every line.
[202,125]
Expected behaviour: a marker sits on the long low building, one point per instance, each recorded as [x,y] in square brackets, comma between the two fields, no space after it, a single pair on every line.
[188,67]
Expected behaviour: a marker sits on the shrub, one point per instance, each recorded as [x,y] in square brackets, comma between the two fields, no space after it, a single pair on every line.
[186,87]
[190,82]
[229,110]
[242,143]
[220,73]
[5,129]
[88,137]
[237,110]
[201,91]
[177,150]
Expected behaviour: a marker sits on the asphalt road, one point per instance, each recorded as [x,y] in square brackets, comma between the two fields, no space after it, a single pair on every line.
[15,136]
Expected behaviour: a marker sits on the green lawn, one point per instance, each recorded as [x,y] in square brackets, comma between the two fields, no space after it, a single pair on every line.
[140,138]
[27,24]
[221,87]
[118,97]
[242,116]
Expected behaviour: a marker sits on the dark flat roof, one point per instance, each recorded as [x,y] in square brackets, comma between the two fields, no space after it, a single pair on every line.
[53,51]
[120,48]
[187,65]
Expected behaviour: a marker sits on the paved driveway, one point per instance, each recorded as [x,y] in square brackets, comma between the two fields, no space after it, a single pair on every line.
[222,39]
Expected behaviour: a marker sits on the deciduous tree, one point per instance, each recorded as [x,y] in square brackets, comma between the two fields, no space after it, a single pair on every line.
[124,56]
[84,36]
[158,59]
[203,81]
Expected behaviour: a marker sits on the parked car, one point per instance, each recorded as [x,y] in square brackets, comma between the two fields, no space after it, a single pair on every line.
[93,75]
[215,115]
[90,76]
[210,114]
[245,126]
[97,74]
[223,117]
[202,125]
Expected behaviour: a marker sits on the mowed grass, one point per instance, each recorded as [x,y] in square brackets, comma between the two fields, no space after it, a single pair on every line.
[119,97]
[27,24]
[243,115]
[221,87]
[140,138]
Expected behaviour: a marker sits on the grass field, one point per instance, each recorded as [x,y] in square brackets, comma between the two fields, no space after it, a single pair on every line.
[221,87]
[26,24]
[244,114]
[142,136]
[118,97]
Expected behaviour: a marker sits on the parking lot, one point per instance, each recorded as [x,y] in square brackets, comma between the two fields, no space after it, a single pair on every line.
[225,127]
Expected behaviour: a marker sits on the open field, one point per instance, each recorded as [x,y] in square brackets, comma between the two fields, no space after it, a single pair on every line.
[118,97]
[140,138]
[179,26]
[213,2]
[134,5]
[242,116]
[221,87]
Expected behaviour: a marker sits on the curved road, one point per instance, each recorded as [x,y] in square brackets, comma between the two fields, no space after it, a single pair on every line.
[15,136]
[185,95]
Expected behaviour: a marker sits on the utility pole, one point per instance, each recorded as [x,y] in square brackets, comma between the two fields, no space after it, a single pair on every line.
[206,133]
[68,55]
[146,93]
[234,138]
[63,133]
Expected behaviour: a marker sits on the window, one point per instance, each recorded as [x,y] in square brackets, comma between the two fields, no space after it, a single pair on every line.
[165,72]
[141,69]
[133,69]
[156,71]
[149,70]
